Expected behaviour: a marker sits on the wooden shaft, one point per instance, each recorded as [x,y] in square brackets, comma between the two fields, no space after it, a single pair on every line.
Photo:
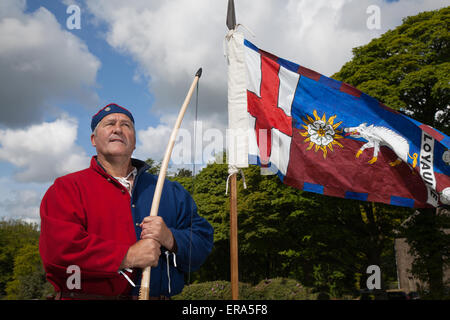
[234,239]
[144,292]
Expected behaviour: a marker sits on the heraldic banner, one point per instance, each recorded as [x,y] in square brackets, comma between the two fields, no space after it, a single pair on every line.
[325,136]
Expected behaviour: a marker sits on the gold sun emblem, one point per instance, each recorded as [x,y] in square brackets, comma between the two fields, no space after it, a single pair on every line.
[321,133]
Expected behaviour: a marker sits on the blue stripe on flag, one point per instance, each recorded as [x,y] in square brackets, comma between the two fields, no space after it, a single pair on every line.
[372,103]
[288,65]
[404,202]
[253,159]
[356,195]
[250,45]
[311,187]
[280,176]
[446,141]
[330,82]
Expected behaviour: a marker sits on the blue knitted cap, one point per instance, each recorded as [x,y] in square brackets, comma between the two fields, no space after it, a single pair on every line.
[110,108]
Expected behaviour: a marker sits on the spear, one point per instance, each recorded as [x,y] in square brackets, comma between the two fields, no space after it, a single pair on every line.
[234,269]
[231,15]
[144,291]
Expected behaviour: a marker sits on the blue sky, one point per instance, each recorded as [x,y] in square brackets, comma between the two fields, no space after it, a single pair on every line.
[114,78]
[143,55]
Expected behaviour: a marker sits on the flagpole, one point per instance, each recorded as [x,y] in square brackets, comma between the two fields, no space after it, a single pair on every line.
[234,270]
[234,239]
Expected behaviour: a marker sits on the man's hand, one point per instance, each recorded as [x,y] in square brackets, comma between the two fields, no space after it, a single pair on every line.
[142,254]
[155,228]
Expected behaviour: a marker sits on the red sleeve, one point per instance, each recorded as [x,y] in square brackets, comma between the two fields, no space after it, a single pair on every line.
[64,239]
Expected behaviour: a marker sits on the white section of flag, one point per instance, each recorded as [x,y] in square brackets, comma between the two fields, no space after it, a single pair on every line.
[288,84]
[242,142]
[237,133]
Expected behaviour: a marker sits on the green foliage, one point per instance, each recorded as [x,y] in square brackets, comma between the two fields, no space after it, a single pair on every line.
[183,173]
[213,204]
[214,290]
[282,289]
[430,245]
[329,280]
[21,272]
[340,239]
[268,289]
[14,235]
[323,242]
[270,224]
[155,166]
[407,68]
[29,280]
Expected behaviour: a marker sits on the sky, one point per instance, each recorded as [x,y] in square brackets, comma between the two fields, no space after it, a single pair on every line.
[55,73]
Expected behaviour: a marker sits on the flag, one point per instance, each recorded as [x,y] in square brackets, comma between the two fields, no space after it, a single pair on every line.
[325,136]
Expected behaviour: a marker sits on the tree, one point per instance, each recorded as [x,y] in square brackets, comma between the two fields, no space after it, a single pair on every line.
[155,166]
[425,233]
[183,173]
[28,280]
[407,68]
[337,239]
[14,234]
[324,242]
[208,191]
[270,225]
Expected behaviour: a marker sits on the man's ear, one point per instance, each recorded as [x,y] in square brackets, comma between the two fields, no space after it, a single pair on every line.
[93,140]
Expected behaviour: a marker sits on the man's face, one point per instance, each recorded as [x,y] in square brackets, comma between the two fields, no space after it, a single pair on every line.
[114,136]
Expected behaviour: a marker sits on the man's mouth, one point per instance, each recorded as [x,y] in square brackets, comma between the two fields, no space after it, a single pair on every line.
[116,140]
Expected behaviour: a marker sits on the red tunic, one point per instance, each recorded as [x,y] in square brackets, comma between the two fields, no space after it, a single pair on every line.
[78,227]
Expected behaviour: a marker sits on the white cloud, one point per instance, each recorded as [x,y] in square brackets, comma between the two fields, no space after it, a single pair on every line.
[12,8]
[40,63]
[152,142]
[21,200]
[170,40]
[22,204]
[43,152]
[197,141]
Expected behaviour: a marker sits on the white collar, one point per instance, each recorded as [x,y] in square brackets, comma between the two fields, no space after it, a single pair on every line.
[125,181]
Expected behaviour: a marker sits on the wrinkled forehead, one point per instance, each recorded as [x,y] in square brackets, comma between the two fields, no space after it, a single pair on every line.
[115,117]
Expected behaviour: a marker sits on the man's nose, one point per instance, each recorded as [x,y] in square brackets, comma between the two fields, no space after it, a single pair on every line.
[117,128]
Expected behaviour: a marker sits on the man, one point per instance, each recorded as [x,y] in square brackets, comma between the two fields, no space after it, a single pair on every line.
[96,221]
